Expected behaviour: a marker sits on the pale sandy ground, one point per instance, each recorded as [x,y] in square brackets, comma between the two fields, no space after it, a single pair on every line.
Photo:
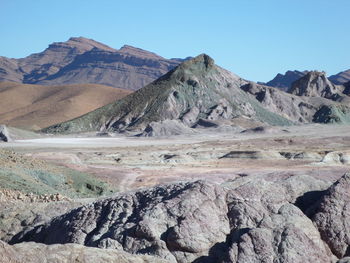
[132,162]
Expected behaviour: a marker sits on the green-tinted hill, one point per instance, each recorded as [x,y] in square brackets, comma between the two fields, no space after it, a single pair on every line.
[197,89]
[200,90]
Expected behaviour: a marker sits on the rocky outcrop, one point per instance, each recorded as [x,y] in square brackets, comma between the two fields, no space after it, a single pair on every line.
[178,222]
[80,60]
[286,105]
[18,214]
[245,220]
[315,84]
[267,227]
[34,253]
[284,81]
[332,114]
[166,128]
[346,90]
[332,217]
[4,134]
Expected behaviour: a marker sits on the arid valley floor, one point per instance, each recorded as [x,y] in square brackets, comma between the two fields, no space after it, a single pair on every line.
[128,163]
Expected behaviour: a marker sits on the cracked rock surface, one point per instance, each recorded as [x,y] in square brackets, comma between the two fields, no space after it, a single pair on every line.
[332,217]
[245,220]
[35,252]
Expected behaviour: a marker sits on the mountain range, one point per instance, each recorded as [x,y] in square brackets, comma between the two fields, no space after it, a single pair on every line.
[63,84]
[80,60]
[284,81]
[198,90]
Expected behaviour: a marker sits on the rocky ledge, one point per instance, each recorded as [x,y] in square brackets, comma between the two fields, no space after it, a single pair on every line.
[250,219]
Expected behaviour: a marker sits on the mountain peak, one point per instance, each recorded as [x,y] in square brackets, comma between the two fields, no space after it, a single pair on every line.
[200,61]
[315,84]
[127,49]
[316,73]
[87,43]
[284,81]
[79,39]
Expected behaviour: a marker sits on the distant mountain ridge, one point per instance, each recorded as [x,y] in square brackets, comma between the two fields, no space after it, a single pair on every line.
[341,78]
[284,81]
[80,60]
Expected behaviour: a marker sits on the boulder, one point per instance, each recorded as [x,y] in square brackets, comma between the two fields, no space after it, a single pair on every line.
[166,128]
[4,134]
[332,217]
[267,227]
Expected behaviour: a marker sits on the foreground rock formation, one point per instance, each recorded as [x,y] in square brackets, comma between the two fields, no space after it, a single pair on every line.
[332,217]
[250,219]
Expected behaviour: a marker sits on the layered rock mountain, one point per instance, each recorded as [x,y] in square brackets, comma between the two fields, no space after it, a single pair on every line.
[197,89]
[341,77]
[39,66]
[80,60]
[250,219]
[284,81]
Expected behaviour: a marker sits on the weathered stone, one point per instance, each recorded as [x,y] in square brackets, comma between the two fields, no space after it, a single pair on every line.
[34,253]
[251,219]
[166,128]
[179,222]
[4,134]
[332,217]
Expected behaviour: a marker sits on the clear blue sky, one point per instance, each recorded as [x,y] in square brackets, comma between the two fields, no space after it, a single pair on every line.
[253,38]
